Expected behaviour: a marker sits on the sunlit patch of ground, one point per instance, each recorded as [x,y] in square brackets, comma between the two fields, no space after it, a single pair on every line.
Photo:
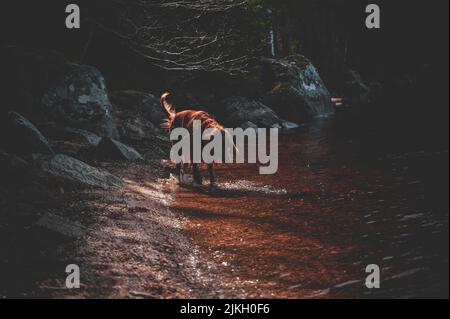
[135,246]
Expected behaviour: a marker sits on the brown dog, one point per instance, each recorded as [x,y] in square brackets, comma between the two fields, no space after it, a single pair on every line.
[185,119]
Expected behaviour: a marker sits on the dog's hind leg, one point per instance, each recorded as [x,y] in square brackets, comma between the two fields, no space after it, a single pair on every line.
[178,171]
[184,174]
[212,177]
[197,174]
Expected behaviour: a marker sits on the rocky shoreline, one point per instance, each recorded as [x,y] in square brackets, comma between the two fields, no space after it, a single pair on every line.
[78,162]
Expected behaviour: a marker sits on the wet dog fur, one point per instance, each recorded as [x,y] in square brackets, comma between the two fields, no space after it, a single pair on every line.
[185,119]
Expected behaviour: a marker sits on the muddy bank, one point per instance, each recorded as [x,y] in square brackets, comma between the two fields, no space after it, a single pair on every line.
[132,245]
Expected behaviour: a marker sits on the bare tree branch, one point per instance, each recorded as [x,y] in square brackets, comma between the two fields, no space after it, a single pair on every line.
[192,35]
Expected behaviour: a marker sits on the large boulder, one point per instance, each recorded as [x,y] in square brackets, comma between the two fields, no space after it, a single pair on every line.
[112,149]
[137,128]
[45,85]
[75,171]
[132,131]
[81,135]
[239,110]
[139,115]
[356,92]
[249,125]
[79,98]
[297,91]
[19,135]
[134,104]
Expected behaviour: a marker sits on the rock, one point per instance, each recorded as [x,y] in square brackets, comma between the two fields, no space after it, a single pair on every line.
[297,91]
[136,128]
[79,99]
[73,170]
[83,135]
[139,115]
[19,135]
[241,110]
[139,104]
[249,124]
[286,126]
[283,125]
[142,295]
[62,226]
[112,149]
[356,92]
[289,125]
[132,132]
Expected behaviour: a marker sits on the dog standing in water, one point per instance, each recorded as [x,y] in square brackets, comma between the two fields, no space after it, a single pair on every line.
[185,119]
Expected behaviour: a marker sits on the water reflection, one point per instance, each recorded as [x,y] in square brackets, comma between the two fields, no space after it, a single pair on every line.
[310,230]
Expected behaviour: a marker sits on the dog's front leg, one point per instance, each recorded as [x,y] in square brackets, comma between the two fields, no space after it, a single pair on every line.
[185,177]
[212,177]
[178,172]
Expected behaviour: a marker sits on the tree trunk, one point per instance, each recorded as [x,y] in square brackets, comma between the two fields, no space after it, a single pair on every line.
[272,45]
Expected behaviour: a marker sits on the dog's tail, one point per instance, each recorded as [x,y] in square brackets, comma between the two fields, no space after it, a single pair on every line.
[167,106]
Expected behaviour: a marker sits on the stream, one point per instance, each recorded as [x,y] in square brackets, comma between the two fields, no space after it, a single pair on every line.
[341,200]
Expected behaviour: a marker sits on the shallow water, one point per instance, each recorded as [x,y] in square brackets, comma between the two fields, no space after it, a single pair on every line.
[339,202]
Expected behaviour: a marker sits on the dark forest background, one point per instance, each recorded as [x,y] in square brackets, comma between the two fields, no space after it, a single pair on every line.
[331,33]
[411,47]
